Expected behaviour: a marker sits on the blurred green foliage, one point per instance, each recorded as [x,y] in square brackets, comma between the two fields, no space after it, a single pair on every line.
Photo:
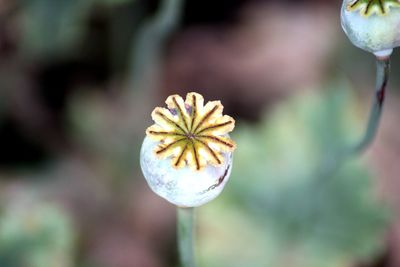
[115,2]
[277,210]
[55,28]
[35,235]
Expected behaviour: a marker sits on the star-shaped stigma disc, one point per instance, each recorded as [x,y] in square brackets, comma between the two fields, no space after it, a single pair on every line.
[369,7]
[191,133]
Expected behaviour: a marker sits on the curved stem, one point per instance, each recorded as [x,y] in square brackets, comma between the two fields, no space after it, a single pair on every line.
[382,77]
[185,225]
[147,45]
[332,162]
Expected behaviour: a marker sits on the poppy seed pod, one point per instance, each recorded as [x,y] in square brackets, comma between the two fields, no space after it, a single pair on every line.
[186,156]
[373,25]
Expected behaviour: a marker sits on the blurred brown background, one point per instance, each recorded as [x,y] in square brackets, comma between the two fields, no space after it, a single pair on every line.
[79,78]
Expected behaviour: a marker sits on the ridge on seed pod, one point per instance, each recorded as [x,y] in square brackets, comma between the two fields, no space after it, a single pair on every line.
[186,156]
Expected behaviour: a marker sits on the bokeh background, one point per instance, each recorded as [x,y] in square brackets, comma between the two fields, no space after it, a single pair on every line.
[79,78]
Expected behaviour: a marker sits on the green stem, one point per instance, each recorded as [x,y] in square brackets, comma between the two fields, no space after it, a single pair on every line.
[185,224]
[382,77]
[332,162]
[148,45]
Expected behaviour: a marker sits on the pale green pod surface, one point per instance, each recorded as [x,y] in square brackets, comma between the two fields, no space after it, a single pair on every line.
[183,187]
[186,157]
[372,25]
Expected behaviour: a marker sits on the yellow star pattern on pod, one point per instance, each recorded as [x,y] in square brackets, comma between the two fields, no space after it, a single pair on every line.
[191,133]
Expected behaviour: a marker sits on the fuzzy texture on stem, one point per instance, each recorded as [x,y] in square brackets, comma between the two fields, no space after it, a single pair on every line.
[185,231]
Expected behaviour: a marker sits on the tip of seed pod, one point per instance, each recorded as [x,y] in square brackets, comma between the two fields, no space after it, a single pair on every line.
[190,133]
